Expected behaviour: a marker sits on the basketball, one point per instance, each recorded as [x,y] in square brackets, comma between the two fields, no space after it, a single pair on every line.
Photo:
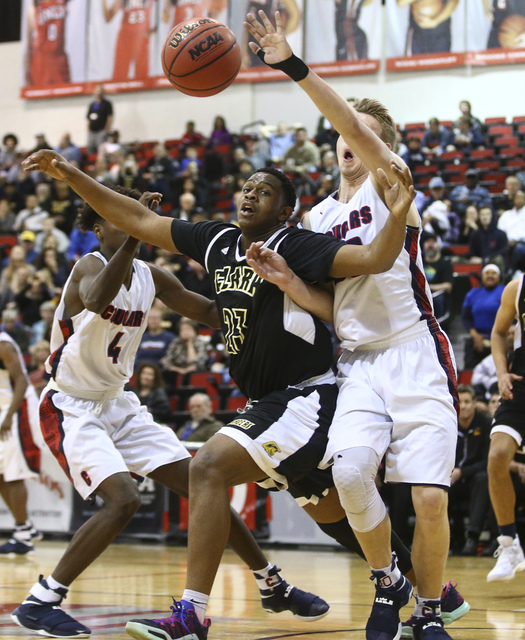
[510,29]
[201,57]
[426,9]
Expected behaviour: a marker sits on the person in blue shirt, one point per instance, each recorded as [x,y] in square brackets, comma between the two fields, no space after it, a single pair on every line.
[82,242]
[478,314]
[470,193]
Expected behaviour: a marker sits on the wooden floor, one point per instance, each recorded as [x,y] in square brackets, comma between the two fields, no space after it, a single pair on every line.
[136,581]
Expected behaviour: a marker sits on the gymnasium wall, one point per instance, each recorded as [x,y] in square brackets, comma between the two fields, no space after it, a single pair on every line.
[160,115]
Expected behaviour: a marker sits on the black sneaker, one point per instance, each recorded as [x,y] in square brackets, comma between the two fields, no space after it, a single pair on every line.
[14,547]
[284,597]
[384,622]
[48,618]
[430,628]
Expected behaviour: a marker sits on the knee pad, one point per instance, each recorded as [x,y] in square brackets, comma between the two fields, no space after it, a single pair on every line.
[354,473]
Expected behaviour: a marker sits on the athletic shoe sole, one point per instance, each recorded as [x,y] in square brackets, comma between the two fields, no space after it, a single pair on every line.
[141,632]
[303,618]
[509,576]
[41,632]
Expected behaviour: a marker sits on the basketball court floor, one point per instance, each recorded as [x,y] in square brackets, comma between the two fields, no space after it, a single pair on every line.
[138,580]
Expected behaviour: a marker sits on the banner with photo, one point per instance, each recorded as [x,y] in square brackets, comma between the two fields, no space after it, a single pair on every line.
[495,32]
[343,37]
[425,34]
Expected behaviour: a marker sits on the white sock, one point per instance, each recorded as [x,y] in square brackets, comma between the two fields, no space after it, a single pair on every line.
[46,595]
[199,602]
[423,604]
[264,580]
[392,575]
[53,584]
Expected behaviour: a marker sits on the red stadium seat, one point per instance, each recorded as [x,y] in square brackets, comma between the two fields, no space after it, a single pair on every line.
[518,119]
[479,154]
[500,130]
[506,141]
[487,165]
[499,120]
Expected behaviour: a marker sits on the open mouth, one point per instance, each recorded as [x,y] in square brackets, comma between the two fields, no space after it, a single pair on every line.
[247,208]
[348,155]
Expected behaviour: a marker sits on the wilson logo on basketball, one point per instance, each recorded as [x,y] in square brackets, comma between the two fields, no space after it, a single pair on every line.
[205,45]
[179,36]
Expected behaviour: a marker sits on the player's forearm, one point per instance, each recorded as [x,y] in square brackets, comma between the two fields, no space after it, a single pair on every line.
[309,297]
[106,285]
[19,390]
[498,345]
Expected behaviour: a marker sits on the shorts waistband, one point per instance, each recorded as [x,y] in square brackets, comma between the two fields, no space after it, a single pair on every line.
[418,330]
[100,396]
[325,378]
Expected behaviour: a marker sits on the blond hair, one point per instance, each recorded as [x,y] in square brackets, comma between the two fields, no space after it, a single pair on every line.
[380,113]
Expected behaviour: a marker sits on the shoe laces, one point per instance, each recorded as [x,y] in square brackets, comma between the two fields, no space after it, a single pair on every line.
[177,617]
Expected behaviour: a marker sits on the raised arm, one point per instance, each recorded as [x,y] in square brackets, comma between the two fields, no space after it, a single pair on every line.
[372,151]
[184,302]
[125,213]
[271,266]
[498,340]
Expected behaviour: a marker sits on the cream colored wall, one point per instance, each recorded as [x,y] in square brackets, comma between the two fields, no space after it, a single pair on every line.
[160,115]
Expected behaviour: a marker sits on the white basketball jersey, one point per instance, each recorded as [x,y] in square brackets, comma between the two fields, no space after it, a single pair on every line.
[95,352]
[373,308]
[6,387]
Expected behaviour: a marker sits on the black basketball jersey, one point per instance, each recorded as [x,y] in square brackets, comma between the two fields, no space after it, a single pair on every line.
[518,360]
[272,342]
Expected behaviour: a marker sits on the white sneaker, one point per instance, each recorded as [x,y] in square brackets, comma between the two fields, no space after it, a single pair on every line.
[510,559]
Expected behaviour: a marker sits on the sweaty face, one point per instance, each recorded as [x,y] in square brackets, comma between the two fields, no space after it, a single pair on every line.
[349,164]
[260,203]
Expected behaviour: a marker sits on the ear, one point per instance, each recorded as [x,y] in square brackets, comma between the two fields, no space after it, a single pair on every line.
[388,145]
[97,229]
[285,213]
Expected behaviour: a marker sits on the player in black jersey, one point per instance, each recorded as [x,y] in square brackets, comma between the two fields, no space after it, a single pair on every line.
[281,355]
[508,429]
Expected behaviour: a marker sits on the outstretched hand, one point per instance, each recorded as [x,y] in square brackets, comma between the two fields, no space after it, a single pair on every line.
[268,264]
[400,195]
[270,38]
[49,162]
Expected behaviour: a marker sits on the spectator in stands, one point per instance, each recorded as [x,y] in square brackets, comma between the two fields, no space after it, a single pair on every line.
[512,222]
[100,171]
[484,378]
[326,134]
[28,241]
[38,375]
[505,201]
[494,402]
[9,152]
[41,330]
[29,299]
[129,172]
[478,314]
[521,177]
[469,225]
[32,216]
[43,195]
[15,275]
[63,207]
[149,388]
[467,138]
[401,147]
[187,207]
[414,156]
[111,147]
[435,210]
[255,153]
[80,243]
[69,150]
[12,325]
[220,134]
[191,154]
[436,138]
[469,482]
[100,119]
[202,425]
[191,137]
[41,143]
[7,217]
[280,141]
[488,243]
[52,263]
[329,166]
[187,353]
[326,187]
[155,341]
[303,155]
[439,273]
[466,112]
[469,193]
[49,229]
[159,173]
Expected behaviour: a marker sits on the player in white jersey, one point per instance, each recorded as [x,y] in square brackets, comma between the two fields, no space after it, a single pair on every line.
[20,441]
[396,375]
[99,433]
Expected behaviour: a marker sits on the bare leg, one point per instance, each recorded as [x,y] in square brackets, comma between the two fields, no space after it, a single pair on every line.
[15,496]
[502,494]
[175,477]
[431,539]
[211,474]
[121,501]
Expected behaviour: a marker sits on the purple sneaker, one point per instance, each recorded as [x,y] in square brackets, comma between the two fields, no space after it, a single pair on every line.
[183,624]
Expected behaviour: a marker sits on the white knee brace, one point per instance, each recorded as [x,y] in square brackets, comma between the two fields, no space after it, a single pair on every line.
[354,474]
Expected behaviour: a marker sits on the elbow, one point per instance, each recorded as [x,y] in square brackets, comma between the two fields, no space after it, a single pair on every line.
[95,305]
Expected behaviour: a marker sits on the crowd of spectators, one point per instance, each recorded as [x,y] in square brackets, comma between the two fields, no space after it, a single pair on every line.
[466,219]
